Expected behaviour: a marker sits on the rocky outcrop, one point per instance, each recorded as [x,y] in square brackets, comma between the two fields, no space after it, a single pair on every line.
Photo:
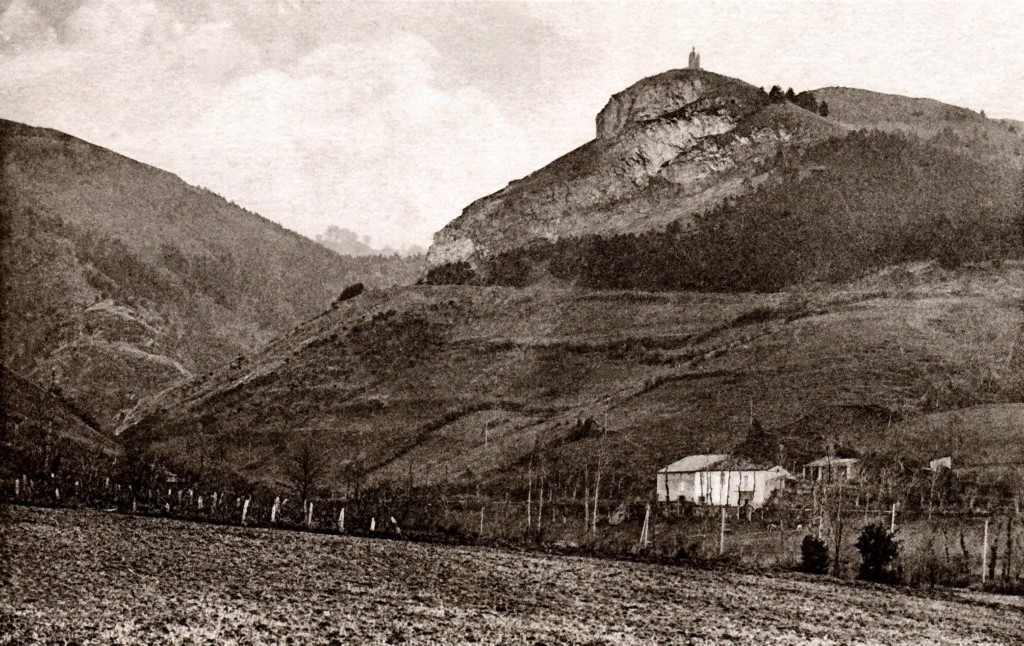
[704,134]
[649,99]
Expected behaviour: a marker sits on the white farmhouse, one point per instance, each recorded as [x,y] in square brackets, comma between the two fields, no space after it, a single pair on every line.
[720,480]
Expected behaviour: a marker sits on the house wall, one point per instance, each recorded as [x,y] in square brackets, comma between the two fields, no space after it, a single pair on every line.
[679,486]
[731,488]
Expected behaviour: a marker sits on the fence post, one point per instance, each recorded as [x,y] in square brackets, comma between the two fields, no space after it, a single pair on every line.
[892,523]
[482,523]
[341,520]
[17,488]
[984,555]
[309,515]
[373,524]
[721,536]
[646,527]
[245,510]
[274,508]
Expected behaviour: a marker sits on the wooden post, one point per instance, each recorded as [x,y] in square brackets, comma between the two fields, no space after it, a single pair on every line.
[134,505]
[1008,558]
[341,520]
[540,508]
[245,510]
[597,493]
[17,487]
[309,514]
[721,535]
[892,523]
[373,524]
[645,530]
[984,555]
[481,535]
[273,509]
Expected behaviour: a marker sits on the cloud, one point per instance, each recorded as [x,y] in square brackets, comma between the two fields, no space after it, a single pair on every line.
[365,132]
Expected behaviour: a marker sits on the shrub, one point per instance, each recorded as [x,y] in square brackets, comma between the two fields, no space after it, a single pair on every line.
[878,549]
[813,555]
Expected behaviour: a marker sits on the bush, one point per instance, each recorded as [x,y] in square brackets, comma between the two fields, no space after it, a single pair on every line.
[813,555]
[878,549]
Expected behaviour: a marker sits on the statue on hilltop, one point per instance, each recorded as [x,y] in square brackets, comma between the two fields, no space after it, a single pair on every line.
[694,59]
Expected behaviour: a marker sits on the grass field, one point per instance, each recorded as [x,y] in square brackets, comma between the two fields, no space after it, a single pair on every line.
[93,577]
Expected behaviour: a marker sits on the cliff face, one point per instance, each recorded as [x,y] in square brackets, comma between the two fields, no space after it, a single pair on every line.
[704,133]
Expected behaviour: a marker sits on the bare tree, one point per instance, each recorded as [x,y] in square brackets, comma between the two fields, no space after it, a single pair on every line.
[306,470]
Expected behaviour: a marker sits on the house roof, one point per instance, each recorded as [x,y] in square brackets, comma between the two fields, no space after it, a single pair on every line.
[718,462]
[694,463]
[826,461]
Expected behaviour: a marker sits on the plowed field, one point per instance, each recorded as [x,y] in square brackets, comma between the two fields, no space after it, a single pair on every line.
[93,577]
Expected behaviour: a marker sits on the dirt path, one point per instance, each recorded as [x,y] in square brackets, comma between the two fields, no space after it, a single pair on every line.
[94,577]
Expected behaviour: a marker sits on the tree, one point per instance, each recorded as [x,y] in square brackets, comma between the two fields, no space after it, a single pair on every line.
[813,555]
[878,549]
[807,101]
[306,470]
[823,108]
[791,95]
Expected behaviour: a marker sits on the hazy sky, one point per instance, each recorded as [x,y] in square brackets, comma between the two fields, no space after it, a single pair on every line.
[388,118]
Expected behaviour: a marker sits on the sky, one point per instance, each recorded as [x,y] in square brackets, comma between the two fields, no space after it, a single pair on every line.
[388,118]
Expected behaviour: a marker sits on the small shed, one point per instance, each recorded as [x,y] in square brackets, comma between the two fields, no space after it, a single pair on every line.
[939,464]
[829,469]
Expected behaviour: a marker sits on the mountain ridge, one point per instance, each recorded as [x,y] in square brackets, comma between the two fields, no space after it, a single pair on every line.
[120,278]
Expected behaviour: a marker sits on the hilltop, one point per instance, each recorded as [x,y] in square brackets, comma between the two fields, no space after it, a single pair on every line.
[120,279]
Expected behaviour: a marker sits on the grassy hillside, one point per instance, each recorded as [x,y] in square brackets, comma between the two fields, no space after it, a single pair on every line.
[953,127]
[39,426]
[830,212]
[120,279]
[471,384]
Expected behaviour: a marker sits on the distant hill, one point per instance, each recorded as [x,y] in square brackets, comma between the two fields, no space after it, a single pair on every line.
[120,279]
[346,242]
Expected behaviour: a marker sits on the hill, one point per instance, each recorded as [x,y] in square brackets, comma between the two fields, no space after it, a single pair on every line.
[949,126]
[470,385]
[666,148]
[692,173]
[830,212]
[120,279]
[40,427]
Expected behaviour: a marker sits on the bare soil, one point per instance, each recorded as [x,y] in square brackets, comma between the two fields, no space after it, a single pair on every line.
[94,577]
